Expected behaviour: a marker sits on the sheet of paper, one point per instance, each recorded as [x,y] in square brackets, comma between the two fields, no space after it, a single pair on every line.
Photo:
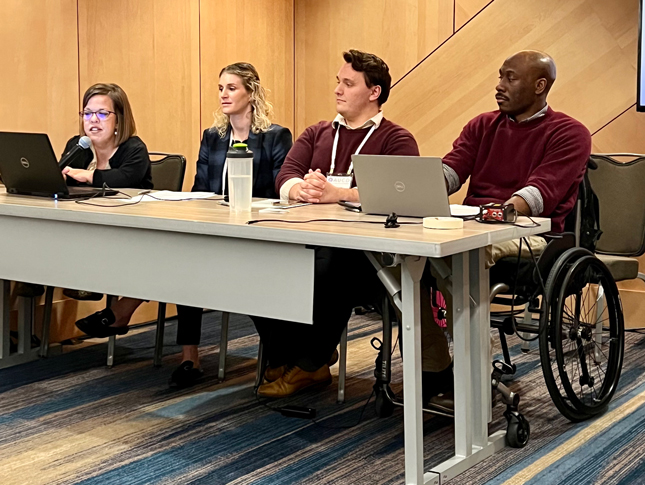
[458,210]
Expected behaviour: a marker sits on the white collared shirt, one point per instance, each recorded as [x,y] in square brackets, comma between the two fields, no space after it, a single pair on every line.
[374,120]
[537,115]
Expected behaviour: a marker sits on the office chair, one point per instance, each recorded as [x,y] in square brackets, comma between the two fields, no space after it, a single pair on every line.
[619,187]
[167,174]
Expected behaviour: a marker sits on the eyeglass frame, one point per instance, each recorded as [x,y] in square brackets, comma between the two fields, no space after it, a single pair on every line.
[84,113]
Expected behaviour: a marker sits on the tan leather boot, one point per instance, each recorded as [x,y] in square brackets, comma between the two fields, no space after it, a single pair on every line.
[293,380]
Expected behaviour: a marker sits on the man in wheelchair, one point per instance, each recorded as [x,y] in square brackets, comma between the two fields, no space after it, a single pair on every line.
[525,154]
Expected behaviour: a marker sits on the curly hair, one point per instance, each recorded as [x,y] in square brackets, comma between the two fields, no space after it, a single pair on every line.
[261,109]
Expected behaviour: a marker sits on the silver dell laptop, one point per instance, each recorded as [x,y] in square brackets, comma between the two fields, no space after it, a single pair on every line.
[408,186]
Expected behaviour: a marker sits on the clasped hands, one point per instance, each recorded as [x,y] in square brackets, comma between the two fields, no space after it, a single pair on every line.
[316,189]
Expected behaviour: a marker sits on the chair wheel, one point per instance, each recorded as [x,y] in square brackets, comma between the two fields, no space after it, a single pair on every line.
[383,405]
[518,431]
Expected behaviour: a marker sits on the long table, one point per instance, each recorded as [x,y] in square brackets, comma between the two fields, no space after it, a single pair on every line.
[198,253]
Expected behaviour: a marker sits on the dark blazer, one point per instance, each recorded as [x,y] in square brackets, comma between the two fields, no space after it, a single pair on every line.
[269,151]
[129,166]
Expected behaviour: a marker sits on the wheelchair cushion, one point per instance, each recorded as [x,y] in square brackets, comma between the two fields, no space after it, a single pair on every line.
[621,268]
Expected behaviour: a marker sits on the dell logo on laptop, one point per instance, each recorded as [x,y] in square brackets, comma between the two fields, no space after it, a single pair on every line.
[399,186]
[24,162]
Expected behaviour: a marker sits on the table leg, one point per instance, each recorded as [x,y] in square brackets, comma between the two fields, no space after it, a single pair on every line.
[411,271]
[472,367]
[480,347]
[5,338]
[462,355]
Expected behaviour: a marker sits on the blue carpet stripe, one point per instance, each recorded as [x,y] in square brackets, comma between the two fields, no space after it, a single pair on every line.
[217,433]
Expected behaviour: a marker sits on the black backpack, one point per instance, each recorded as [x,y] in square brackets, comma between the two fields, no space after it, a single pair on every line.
[589,212]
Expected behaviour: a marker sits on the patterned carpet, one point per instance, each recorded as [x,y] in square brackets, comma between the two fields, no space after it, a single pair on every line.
[70,420]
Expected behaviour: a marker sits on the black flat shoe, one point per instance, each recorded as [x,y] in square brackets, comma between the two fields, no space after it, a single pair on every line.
[185,375]
[97,325]
[28,290]
[82,295]
[435,383]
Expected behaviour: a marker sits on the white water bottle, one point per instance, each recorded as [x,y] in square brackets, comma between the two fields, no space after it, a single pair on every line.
[239,162]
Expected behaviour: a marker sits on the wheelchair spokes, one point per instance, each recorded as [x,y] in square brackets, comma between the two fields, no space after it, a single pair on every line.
[586,333]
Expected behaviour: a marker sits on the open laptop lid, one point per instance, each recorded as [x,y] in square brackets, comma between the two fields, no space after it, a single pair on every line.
[408,186]
[28,165]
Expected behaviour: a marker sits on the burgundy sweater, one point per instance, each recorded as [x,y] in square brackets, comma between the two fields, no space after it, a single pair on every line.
[313,148]
[502,156]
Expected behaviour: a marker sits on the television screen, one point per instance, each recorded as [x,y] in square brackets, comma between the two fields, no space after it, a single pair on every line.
[640,102]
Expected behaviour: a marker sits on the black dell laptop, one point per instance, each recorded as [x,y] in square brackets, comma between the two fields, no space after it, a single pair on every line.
[28,166]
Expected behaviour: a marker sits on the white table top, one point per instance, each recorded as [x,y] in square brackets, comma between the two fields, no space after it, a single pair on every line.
[210,218]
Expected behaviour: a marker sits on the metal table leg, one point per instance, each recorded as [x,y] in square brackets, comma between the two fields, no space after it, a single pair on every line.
[411,271]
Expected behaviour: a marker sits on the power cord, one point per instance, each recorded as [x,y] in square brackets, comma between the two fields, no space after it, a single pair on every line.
[303,413]
[530,226]
[542,328]
[390,222]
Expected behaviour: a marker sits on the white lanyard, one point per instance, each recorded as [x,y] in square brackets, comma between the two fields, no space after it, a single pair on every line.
[333,151]
[230,144]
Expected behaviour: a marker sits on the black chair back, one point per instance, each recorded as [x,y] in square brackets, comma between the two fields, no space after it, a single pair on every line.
[168,171]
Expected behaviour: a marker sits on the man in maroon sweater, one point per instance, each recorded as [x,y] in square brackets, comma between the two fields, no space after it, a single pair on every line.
[326,147]
[318,169]
[525,154]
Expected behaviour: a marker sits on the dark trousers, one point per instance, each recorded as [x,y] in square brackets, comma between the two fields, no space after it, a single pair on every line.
[343,279]
[189,325]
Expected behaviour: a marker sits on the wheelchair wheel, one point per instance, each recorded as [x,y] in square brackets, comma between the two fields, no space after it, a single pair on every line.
[586,336]
[518,430]
[548,358]
[591,337]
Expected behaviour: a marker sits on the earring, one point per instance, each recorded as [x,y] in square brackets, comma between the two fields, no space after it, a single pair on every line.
[114,132]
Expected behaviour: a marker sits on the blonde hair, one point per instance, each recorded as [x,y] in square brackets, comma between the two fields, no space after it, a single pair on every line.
[125,126]
[261,109]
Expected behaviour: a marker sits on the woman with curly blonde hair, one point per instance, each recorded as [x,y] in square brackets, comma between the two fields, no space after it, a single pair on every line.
[243,116]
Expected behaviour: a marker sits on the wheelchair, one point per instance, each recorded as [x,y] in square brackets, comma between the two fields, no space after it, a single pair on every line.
[571,305]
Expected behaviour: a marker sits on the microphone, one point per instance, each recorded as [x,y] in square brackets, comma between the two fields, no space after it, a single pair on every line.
[83,144]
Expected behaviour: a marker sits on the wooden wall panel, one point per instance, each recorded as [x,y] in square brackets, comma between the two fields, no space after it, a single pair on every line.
[39,58]
[595,67]
[402,33]
[255,31]
[623,135]
[467,9]
[151,49]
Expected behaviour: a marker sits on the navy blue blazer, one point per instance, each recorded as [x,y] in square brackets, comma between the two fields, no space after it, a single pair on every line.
[269,151]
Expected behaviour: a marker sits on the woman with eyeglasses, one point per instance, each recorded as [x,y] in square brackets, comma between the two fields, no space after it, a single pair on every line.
[243,116]
[118,158]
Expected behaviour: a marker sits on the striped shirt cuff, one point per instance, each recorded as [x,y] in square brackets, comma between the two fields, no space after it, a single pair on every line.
[286,187]
[452,178]
[533,198]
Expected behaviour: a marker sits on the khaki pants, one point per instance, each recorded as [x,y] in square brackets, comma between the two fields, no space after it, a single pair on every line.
[435,353]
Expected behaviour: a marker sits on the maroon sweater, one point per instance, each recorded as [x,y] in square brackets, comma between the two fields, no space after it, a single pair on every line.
[313,148]
[502,156]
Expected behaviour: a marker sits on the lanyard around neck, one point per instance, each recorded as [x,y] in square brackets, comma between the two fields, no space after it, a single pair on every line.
[358,150]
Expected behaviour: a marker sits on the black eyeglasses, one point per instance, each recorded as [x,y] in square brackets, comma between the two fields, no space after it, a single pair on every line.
[101,114]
